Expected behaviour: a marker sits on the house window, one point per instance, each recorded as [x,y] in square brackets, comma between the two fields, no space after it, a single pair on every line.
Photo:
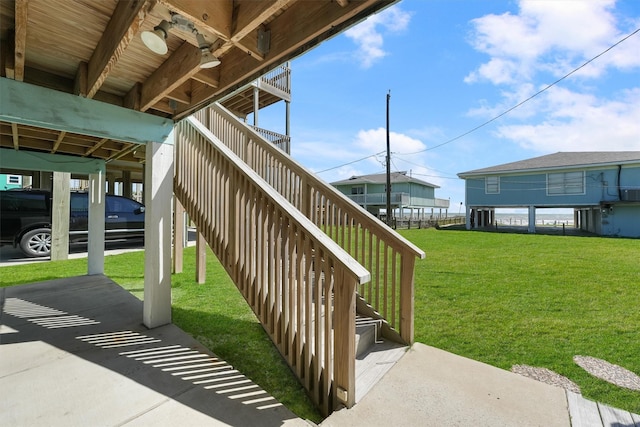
[565,183]
[357,189]
[492,185]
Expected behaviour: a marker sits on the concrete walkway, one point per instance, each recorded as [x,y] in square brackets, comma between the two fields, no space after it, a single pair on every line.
[74,353]
[430,387]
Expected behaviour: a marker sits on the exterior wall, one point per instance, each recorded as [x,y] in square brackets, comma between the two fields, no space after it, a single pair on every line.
[524,190]
[9,181]
[420,191]
[402,194]
[621,220]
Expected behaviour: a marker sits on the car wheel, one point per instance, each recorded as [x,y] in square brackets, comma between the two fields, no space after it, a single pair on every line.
[36,243]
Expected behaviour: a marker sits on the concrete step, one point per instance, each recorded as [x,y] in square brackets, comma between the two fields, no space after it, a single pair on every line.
[367,334]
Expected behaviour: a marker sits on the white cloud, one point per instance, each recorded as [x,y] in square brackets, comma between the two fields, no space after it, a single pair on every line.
[375,141]
[368,35]
[579,122]
[544,41]
[551,36]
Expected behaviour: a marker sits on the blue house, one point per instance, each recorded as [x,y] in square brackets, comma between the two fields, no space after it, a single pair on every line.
[603,188]
[9,181]
[407,193]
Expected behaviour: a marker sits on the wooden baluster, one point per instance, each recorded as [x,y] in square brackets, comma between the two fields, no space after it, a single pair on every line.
[344,339]
[406,298]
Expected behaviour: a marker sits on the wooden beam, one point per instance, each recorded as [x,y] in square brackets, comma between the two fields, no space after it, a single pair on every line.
[132,98]
[248,17]
[211,16]
[15,136]
[126,150]
[208,76]
[37,161]
[81,82]
[95,147]
[125,23]
[40,107]
[302,26]
[182,93]
[7,50]
[58,142]
[21,15]
[180,67]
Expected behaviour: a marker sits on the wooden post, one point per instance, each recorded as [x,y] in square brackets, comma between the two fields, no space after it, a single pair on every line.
[201,258]
[178,235]
[95,246]
[127,189]
[344,366]
[60,216]
[158,189]
[406,298]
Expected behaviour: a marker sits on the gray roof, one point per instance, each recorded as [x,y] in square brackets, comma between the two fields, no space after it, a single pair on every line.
[561,160]
[381,178]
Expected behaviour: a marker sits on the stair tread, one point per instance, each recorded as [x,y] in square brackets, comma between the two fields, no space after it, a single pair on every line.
[372,365]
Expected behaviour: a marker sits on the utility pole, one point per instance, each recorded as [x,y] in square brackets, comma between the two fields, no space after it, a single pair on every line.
[388,165]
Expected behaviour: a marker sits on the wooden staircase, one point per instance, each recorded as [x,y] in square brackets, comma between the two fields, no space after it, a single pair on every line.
[304,256]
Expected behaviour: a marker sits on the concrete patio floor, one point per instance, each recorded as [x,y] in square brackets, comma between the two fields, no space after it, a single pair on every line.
[74,352]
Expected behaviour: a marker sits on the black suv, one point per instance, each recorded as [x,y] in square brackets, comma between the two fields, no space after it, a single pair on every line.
[25,219]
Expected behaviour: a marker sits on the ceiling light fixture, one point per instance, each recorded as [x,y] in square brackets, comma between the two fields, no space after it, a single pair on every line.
[208,59]
[156,40]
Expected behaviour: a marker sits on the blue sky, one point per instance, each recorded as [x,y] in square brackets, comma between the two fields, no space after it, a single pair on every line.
[452,65]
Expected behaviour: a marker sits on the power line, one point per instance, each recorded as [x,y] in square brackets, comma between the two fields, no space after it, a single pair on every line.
[529,98]
[350,163]
[499,115]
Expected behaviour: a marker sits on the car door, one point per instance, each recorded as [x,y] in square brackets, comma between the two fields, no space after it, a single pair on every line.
[78,217]
[124,218]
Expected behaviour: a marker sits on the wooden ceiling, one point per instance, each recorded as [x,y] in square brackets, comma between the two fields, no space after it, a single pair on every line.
[93,49]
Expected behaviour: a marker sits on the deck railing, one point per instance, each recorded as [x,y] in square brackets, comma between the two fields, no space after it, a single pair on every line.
[299,283]
[281,141]
[389,257]
[279,78]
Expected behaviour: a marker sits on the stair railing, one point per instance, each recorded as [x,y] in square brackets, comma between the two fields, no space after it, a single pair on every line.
[388,256]
[300,284]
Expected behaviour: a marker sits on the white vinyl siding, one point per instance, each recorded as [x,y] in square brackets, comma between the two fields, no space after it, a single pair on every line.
[492,185]
[565,183]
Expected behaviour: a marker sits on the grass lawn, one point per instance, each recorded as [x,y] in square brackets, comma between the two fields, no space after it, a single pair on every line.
[536,300]
[503,299]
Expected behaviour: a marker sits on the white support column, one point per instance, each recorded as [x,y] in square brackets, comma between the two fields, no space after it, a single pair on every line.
[95,246]
[532,219]
[60,216]
[127,189]
[256,105]
[468,218]
[158,191]
[111,184]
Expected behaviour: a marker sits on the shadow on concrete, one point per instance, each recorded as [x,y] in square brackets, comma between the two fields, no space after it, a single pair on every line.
[75,352]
